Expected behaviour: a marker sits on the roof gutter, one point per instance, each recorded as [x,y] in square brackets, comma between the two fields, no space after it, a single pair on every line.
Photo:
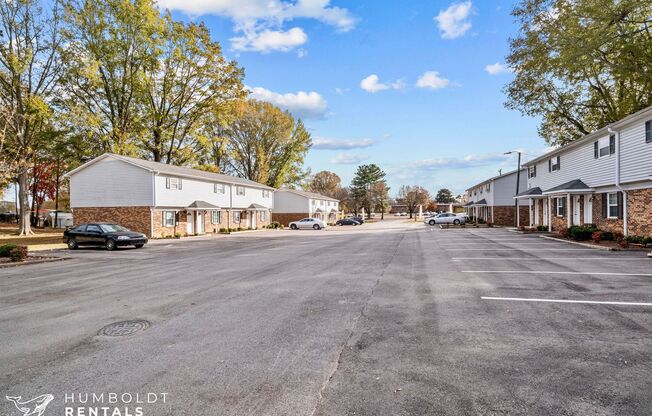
[620,188]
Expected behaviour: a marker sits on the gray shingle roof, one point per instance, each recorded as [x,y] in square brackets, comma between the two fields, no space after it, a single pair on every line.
[184,171]
[307,194]
[575,185]
[530,192]
[480,202]
[202,205]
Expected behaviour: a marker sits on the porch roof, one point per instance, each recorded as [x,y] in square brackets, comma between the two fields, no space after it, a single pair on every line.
[198,205]
[530,193]
[257,207]
[480,203]
[573,187]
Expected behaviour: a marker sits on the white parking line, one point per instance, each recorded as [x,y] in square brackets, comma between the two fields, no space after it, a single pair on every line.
[591,302]
[547,258]
[512,249]
[543,272]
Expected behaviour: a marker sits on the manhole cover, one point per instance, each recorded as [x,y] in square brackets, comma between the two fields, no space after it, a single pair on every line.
[122,328]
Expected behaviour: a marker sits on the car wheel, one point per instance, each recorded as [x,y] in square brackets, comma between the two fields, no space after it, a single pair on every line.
[72,244]
[431,222]
[139,245]
[316,227]
[293,226]
[456,222]
[109,244]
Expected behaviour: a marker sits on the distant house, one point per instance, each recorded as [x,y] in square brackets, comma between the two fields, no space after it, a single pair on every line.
[492,200]
[159,199]
[604,178]
[292,205]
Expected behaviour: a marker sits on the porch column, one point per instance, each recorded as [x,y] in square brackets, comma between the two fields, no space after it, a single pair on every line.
[549,208]
[569,209]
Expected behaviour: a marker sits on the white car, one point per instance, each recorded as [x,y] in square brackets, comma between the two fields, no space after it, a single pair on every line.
[445,218]
[308,223]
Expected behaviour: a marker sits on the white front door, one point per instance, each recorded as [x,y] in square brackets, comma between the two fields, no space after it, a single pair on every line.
[576,210]
[588,209]
[189,223]
[536,212]
[199,227]
[546,205]
[253,219]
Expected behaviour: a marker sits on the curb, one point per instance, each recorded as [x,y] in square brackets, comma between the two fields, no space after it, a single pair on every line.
[577,243]
[48,260]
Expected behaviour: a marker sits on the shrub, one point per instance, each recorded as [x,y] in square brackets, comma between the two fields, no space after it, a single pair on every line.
[481,221]
[608,236]
[490,224]
[581,232]
[542,228]
[177,235]
[521,228]
[18,253]
[275,224]
[564,232]
[533,229]
[597,236]
[238,229]
[647,240]
[5,249]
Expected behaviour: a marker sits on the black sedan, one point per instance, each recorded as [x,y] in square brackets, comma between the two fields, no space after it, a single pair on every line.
[347,221]
[102,234]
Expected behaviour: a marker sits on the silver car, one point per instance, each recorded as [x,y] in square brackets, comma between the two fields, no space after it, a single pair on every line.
[308,223]
[445,218]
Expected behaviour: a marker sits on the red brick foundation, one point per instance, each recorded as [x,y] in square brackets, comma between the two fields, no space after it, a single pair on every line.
[286,218]
[134,218]
[639,212]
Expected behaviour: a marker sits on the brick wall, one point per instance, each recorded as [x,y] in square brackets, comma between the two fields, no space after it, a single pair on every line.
[161,231]
[504,215]
[286,218]
[134,218]
[614,225]
[639,212]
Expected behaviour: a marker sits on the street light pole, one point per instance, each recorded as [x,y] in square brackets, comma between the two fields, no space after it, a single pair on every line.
[517,217]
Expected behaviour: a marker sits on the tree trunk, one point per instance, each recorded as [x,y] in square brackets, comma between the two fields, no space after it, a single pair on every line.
[56,198]
[24,216]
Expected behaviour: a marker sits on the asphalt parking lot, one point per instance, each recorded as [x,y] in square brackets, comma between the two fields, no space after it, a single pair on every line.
[394,318]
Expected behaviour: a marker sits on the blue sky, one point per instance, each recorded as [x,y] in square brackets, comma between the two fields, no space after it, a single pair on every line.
[430,112]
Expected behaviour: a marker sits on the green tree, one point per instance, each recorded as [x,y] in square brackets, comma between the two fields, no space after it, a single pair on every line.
[365,178]
[188,80]
[266,145]
[444,196]
[30,40]
[109,43]
[580,65]
[325,183]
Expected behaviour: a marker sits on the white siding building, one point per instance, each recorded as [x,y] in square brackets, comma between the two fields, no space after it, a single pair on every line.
[291,205]
[492,200]
[159,199]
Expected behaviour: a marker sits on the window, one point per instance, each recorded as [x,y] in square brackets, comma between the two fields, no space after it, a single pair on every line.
[489,187]
[265,193]
[173,183]
[532,172]
[216,217]
[92,228]
[168,218]
[554,164]
[613,206]
[239,190]
[219,188]
[560,206]
[648,131]
[321,203]
[604,147]
[263,215]
[236,216]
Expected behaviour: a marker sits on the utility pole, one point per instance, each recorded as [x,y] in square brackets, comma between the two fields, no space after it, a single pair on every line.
[517,215]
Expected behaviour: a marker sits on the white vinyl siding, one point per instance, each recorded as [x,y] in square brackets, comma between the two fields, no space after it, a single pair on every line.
[193,190]
[636,154]
[111,183]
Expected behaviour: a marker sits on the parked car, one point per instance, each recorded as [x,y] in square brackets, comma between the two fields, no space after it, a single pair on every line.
[463,216]
[347,221]
[314,223]
[103,234]
[358,219]
[445,218]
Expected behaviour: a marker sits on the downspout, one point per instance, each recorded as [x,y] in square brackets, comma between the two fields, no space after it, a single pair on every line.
[228,212]
[617,134]
[151,209]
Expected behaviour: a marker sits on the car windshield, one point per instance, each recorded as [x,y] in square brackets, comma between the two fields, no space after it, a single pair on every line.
[113,228]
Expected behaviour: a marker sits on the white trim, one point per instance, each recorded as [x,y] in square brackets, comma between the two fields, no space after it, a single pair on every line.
[589,302]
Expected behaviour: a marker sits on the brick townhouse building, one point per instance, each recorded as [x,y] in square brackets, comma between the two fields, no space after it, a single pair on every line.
[604,178]
[159,200]
[492,200]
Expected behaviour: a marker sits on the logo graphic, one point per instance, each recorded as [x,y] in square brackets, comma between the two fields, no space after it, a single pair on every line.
[34,407]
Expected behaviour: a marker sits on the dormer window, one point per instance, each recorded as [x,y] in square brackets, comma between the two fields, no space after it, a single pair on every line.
[604,147]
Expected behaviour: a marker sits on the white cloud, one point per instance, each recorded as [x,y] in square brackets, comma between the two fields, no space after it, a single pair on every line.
[302,104]
[454,21]
[497,69]
[468,161]
[348,159]
[432,80]
[270,40]
[341,144]
[260,20]
[342,91]
[372,84]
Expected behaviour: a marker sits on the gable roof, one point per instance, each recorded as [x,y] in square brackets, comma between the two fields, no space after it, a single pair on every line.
[504,175]
[202,205]
[574,185]
[530,192]
[307,194]
[166,169]
[642,114]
